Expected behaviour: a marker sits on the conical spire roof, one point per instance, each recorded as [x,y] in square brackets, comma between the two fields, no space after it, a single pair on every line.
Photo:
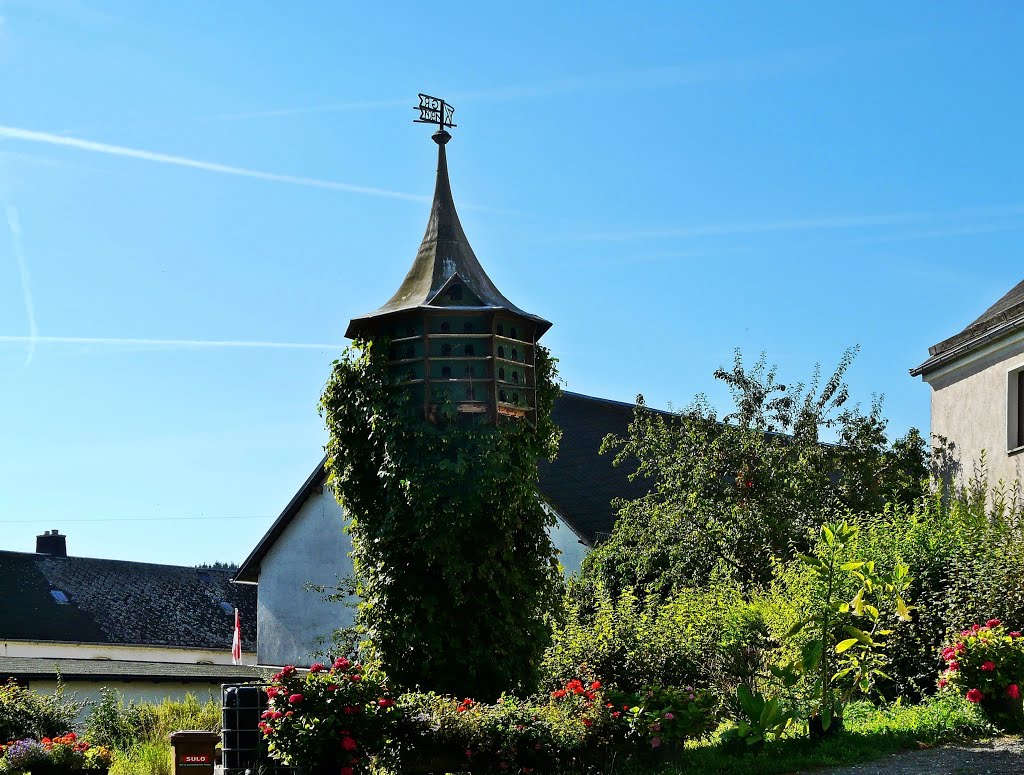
[444,252]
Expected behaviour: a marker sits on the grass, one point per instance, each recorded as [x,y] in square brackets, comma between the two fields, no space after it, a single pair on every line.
[870,733]
[152,755]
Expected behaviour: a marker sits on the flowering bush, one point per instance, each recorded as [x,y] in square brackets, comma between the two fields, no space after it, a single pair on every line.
[986,663]
[63,754]
[328,717]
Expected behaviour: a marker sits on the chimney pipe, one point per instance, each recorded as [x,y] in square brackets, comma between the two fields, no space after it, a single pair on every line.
[51,542]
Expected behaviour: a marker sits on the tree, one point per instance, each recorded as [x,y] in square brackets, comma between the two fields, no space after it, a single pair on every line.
[738,490]
[454,568]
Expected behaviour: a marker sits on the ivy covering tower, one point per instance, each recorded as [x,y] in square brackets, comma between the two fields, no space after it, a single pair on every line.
[438,416]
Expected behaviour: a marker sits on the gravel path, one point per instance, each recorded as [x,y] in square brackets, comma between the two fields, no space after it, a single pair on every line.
[1002,756]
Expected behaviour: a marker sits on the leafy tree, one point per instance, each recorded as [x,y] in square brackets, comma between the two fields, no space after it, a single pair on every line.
[738,490]
[454,567]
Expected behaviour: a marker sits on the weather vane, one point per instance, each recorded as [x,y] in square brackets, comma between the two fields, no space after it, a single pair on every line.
[434,110]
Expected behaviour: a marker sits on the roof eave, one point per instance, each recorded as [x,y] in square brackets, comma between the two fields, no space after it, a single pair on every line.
[958,350]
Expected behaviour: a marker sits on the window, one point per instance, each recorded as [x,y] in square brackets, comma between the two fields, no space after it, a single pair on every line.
[446,350]
[470,351]
[501,352]
[446,327]
[1015,409]
[446,371]
[512,333]
[501,374]
[501,329]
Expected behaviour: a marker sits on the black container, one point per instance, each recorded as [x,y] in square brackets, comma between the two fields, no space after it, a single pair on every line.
[242,742]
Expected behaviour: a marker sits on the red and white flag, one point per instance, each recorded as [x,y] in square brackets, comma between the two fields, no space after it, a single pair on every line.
[236,642]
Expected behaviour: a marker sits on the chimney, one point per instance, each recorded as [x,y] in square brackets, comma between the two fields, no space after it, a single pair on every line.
[51,542]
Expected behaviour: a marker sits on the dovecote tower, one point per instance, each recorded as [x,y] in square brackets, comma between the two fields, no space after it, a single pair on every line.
[453,339]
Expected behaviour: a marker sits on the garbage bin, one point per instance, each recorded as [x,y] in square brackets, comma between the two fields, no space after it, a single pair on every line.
[194,752]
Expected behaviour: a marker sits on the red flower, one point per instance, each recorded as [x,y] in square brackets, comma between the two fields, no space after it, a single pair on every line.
[356,677]
[349,743]
[974,695]
[346,771]
[289,714]
[993,623]
[558,694]
[954,665]
[288,670]
[989,666]
[295,699]
[616,714]
[332,687]
[1013,691]
[384,702]
[942,683]
[1015,634]
[341,663]
[595,686]
[316,667]
[272,692]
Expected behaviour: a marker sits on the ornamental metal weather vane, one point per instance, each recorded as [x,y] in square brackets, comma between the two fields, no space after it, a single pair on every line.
[434,110]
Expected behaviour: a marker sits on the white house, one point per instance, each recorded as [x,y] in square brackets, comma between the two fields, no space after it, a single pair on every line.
[149,631]
[977,381]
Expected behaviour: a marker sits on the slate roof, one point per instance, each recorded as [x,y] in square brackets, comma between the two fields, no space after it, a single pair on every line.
[123,670]
[580,484]
[121,602]
[444,252]
[1001,319]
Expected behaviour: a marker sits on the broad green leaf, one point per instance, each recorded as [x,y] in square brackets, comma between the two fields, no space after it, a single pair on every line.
[810,655]
[860,635]
[845,645]
[855,565]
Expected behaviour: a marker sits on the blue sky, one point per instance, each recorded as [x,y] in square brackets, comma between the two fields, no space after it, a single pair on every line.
[665,182]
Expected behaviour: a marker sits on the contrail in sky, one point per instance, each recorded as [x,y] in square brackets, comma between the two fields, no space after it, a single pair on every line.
[181,343]
[14,225]
[49,138]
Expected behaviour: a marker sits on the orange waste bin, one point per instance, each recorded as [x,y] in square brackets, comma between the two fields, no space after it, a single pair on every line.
[194,752]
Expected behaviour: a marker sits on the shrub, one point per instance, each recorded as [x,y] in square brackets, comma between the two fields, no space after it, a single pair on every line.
[985,663]
[112,723]
[58,755]
[704,637]
[28,714]
[334,716]
[965,551]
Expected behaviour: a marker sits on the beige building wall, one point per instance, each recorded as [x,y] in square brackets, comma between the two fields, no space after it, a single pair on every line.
[61,650]
[974,405]
[133,691]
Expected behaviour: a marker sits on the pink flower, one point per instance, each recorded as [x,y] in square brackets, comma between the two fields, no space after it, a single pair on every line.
[655,727]
[989,666]
[993,623]
[1013,691]
[288,670]
[316,667]
[655,742]
[356,677]
[974,695]
[669,716]
[1015,634]
[340,664]
[942,683]
[272,692]
[954,665]
[295,699]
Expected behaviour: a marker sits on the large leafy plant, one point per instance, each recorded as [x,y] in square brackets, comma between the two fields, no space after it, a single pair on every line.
[844,637]
[455,571]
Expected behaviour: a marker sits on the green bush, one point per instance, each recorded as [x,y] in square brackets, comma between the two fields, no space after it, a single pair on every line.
[116,725]
[708,637]
[24,713]
[965,551]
